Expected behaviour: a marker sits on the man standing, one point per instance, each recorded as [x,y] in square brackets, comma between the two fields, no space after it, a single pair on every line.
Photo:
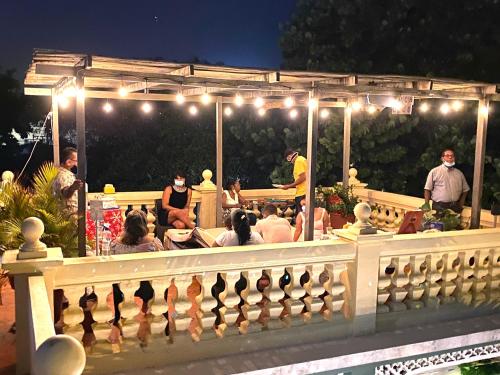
[299,175]
[66,184]
[446,185]
[272,228]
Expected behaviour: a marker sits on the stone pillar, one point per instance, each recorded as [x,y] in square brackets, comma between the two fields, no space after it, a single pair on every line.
[207,214]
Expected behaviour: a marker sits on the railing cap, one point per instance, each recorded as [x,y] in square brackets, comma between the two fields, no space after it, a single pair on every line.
[61,354]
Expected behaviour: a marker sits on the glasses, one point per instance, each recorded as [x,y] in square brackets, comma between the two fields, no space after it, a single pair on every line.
[449,155]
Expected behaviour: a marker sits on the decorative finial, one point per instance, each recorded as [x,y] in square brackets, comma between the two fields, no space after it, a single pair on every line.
[207,176]
[32,229]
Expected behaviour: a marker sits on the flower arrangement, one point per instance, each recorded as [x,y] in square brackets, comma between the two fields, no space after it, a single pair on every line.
[338,199]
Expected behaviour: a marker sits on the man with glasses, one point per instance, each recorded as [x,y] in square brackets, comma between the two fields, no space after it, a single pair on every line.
[446,185]
[66,184]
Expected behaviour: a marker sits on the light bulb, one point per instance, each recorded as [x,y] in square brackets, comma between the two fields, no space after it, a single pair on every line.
[445,108]
[356,106]
[371,109]
[122,91]
[457,105]
[424,107]
[313,103]
[63,102]
[107,107]
[484,110]
[193,111]
[289,102]
[180,99]
[228,111]
[69,91]
[293,114]
[206,99]
[146,107]
[238,100]
[258,102]
[395,104]
[324,113]
[261,112]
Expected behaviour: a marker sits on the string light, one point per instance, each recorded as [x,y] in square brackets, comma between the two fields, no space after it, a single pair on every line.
[293,114]
[289,102]
[69,91]
[62,102]
[107,107]
[258,102]
[180,99]
[424,107]
[356,106]
[457,105]
[238,100]
[313,103]
[324,113]
[206,99]
[484,110]
[193,111]
[395,104]
[122,91]
[146,107]
[261,112]
[228,111]
[445,108]
[371,109]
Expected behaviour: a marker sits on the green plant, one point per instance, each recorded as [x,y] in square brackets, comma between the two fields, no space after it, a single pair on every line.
[338,199]
[18,202]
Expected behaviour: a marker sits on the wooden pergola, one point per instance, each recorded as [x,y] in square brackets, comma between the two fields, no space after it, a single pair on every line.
[51,72]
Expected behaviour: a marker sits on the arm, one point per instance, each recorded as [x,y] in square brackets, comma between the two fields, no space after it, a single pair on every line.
[165,199]
[242,200]
[298,228]
[427,196]
[68,191]
[326,222]
[298,181]
[188,201]
[461,202]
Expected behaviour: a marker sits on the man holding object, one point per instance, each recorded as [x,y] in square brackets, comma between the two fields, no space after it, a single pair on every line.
[299,175]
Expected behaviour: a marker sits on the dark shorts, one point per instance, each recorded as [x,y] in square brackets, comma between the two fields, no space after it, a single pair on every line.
[441,206]
[298,208]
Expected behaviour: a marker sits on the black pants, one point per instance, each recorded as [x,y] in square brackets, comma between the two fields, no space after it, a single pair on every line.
[298,207]
[441,206]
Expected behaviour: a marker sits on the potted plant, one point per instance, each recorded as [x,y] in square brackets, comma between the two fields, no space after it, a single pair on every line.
[339,203]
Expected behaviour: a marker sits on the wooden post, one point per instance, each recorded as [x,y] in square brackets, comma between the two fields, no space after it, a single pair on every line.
[312,155]
[55,128]
[477,184]
[218,127]
[82,161]
[347,146]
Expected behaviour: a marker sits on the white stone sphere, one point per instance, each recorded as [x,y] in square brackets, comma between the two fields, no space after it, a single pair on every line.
[59,355]
[7,176]
[207,174]
[32,229]
[362,211]
[353,172]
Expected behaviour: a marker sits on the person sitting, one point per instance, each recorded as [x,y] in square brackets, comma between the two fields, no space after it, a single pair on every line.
[231,198]
[321,222]
[272,228]
[176,200]
[240,234]
[134,238]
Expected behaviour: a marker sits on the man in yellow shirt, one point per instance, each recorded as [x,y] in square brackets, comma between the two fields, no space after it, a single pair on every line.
[299,175]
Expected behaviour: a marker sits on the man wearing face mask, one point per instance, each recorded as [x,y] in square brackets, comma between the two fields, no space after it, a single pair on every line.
[66,184]
[299,174]
[446,185]
[176,200]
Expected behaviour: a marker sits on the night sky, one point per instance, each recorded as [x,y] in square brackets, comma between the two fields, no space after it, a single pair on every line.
[240,33]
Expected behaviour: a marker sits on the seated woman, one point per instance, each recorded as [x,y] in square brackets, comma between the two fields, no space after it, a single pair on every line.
[240,234]
[176,200]
[231,197]
[321,222]
[134,238]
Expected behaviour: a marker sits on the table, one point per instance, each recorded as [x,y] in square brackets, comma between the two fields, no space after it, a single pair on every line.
[113,217]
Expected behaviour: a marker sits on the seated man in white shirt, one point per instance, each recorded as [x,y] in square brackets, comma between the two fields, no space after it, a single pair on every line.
[272,228]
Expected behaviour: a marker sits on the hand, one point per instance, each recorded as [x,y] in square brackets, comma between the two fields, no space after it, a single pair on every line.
[425,207]
[77,184]
[285,187]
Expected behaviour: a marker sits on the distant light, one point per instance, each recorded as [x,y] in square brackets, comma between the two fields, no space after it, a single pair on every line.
[228,111]
[107,107]
[146,107]
[258,102]
[356,106]
[193,110]
[261,112]
[424,107]
[457,105]
[324,113]
[238,100]
[69,91]
[180,99]
[395,104]
[293,114]
[484,110]
[122,91]
[371,109]
[62,102]
[313,103]
[289,102]
[445,108]
[206,99]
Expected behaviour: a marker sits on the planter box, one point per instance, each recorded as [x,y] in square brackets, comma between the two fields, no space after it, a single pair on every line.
[337,221]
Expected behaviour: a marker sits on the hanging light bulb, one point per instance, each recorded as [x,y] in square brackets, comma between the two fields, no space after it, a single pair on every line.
[146,107]
[371,109]
[180,99]
[228,111]
[69,91]
[258,102]
[62,102]
[395,104]
[457,105]
[424,107]
[356,106]
[324,113]
[122,91]
[293,114]
[484,110]
[289,102]
[261,112]
[238,100]
[107,107]
[445,108]
[206,99]
[193,111]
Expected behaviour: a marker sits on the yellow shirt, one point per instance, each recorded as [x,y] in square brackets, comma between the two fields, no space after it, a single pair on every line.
[299,167]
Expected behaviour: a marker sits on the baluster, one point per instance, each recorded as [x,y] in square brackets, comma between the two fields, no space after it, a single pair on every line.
[463,283]
[399,215]
[285,283]
[219,292]
[60,304]
[170,296]
[338,289]
[479,281]
[115,301]
[431,288]
[390,217]
[144,298]
[88,304]
[326,280]
[301,292]
[242,289]
[415,287]
[195,296]
[448,275]
[384,281]
[264,286]
[381,216]
[399,279]
[493,277]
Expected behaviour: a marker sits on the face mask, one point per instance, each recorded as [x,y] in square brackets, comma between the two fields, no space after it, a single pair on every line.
[179,183]
[448,164]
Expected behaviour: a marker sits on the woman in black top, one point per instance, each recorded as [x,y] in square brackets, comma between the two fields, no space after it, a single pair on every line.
[176,199]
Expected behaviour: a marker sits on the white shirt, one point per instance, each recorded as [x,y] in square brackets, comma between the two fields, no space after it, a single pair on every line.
[274,229]
[446,184]
[65,179]
[230,238]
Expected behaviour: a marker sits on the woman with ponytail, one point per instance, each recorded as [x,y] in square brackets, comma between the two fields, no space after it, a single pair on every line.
[240,234]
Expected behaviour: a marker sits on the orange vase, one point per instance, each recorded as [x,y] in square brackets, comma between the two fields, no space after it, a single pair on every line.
[337,220]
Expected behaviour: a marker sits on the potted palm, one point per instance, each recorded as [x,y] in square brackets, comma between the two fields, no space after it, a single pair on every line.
[339,203]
